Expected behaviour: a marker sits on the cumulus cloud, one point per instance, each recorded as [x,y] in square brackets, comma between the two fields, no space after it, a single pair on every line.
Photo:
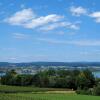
[77,11]
[96,16]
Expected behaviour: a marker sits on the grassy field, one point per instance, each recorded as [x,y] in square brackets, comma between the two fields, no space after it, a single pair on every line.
[31,93]
[21,89]
[30,96]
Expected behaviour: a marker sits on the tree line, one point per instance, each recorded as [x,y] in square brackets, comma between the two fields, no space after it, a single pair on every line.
[83,81]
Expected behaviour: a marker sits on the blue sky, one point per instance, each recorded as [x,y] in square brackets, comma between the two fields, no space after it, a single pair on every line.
[49,30]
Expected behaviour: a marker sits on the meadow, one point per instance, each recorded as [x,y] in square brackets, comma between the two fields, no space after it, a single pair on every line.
[31,93]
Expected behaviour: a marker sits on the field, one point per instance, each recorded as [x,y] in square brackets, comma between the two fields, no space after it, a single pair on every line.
[30,93]
[30,96]
[21,89]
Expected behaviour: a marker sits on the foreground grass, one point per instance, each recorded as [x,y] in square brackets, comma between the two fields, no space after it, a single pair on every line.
[43,96]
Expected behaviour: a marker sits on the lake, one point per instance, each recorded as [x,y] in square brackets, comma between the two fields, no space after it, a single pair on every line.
[97,74]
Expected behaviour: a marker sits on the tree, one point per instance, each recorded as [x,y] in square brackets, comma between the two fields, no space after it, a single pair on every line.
[85,79]
[96,90]
[9,78]
[41,79]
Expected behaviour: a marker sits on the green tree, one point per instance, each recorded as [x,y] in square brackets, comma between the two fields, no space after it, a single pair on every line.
[85,79]
[9,78]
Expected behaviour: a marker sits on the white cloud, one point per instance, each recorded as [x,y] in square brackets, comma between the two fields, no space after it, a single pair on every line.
[67,25]
[21,17]
[96,16]
[72,42]
[20,36]
[77,11]
[28,19]
[43,20]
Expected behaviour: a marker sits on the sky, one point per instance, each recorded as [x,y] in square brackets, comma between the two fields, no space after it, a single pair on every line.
[49,30]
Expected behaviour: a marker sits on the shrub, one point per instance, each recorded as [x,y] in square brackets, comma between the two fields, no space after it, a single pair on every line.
[84,91]
[96,90]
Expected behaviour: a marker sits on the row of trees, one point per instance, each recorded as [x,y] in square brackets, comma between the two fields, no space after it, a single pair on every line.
[82,81]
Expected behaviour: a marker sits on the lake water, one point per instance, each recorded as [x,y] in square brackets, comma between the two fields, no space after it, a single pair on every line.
[97,74]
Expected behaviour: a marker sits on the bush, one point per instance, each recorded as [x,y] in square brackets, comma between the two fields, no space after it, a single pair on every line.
[84,91]
[96,90]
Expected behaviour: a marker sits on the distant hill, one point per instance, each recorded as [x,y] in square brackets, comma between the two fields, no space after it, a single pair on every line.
[71,64]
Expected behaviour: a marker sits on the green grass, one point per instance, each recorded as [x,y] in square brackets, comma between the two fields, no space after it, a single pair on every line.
[15,89]
[32,93]
[21,89]
[43,96]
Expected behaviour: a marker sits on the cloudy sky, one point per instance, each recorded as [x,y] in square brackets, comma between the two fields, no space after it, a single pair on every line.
[49,30]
